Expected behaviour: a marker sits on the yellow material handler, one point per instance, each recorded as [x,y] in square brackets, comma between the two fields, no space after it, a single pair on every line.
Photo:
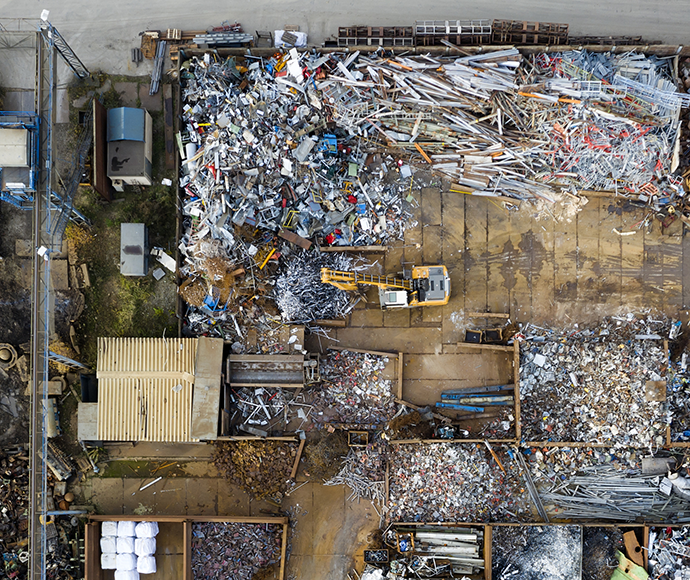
[420,286]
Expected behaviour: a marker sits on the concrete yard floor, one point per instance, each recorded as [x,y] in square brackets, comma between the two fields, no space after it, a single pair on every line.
[526,265]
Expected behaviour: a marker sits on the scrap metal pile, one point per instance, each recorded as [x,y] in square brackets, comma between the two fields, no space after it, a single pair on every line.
[302,297]
[595,385]
[14,508]
[501,124]
[603,492]
[262,468]
[354,390]
[669,551]
[435,551]
[454,482]
[237,551]
[364,472]
[536,553]
[263,162]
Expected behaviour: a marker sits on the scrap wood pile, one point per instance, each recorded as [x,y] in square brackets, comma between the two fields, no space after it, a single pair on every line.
[234,550]
[604,384]
[354,390]
[262,468]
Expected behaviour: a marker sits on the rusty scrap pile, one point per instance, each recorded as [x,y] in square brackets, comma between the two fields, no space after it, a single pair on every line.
[354,390]
[233,550]
[262,468]
[453,482]
[595,385]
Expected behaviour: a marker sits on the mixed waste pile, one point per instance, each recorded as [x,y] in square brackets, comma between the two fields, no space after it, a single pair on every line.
[238,551]
[364,472]
[355,390]
[597,385]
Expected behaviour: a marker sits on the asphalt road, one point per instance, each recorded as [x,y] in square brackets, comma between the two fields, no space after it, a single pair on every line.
[103,32]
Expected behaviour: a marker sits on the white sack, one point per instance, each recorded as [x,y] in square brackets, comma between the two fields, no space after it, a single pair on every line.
[126,562]
[109,529]
[125,545]
[145,546]
[146,565]
[126,575]
[109,545]
[108,561]
[125,528]
[147,529]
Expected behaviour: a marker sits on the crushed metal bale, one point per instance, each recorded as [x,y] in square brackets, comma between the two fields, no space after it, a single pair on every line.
[454,482]
[355,389]
[262,468]
[595,385]
[233,550]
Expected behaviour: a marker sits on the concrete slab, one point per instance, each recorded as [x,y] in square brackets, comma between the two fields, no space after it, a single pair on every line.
[62,106]
[365,317]
[397,317]
[202,496]
[108,495]
[329,499]
[151,103]
[395,339]
[232,499]
[127,92]
[302,500]
[59,271]
[431,206]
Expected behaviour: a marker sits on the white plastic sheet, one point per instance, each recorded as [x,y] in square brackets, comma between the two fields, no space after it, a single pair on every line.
[126,562]
[125,545]
[125,528]
[109,529]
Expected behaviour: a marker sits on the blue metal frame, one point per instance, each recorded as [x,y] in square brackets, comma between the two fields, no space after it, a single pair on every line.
[23,198]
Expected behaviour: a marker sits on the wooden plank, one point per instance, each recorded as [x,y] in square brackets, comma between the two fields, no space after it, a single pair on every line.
[294,238]
[476,271]
[187,554]
[588,253]
[400,375]
[295,466]
[283,551]
[358,249]
[92,560]
[453,206]
[542,269]
[206,398]
[516,379]
[487,315]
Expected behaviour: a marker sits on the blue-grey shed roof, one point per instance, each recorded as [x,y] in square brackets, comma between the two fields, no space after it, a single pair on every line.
[126,124]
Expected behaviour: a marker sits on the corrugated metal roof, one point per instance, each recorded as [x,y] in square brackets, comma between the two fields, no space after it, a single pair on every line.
[139,398]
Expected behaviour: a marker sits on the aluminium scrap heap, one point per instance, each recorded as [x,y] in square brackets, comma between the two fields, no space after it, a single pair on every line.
[501,124]
[596,385]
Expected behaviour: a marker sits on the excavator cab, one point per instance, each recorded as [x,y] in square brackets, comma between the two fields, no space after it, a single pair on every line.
[390,298]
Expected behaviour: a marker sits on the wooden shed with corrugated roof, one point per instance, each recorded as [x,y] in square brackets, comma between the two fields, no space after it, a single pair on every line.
[157,389]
